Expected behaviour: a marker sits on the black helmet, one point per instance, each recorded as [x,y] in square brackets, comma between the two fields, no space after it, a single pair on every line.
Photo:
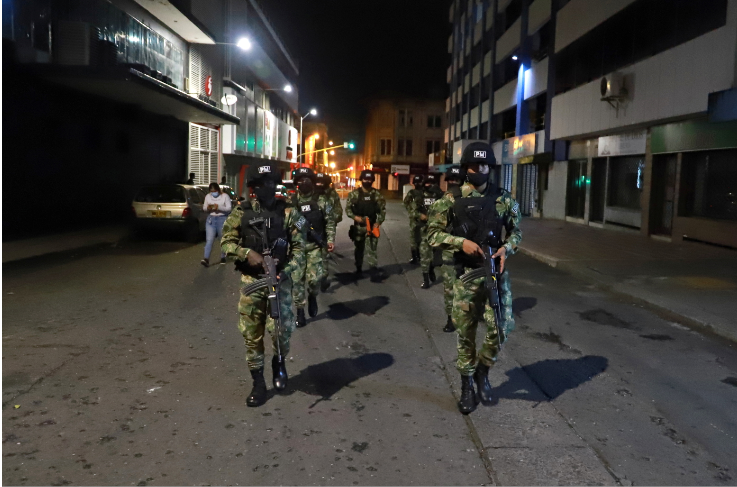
[417,179]
[478,153]
[304,172]
[366,175]
[454,173]
[324,180]
[265,170]
[431,179]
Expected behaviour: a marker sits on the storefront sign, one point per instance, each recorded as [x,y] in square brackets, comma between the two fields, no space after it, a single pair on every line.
[517,147]
[269,134]
[400,169]
[623,144]
[208,86]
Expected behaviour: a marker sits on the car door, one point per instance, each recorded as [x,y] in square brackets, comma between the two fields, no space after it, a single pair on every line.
[196,199]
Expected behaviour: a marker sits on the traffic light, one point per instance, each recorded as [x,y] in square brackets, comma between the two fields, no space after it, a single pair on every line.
[349,145]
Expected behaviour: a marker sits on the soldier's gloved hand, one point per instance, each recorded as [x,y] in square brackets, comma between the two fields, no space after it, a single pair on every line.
[331,247]
[471,248]
[255,259]
[283,276]
[358,219]
[502,254]
[423,217]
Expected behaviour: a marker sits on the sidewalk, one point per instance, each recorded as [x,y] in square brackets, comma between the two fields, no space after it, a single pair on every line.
[32,247]
[696,281]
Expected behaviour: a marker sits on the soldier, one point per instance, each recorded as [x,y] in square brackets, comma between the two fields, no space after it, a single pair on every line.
[448,271]
[414,228]
[365,202]
[324,185]
[431,192]
[317,234]
[242,242]
[481,211]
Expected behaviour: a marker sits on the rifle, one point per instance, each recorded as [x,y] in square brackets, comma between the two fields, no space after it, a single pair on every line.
[270,278]
[490,272]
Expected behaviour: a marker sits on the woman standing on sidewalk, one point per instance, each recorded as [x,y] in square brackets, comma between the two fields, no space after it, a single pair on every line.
[217,205]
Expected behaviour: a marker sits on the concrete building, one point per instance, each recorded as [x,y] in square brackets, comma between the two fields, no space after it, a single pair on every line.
[122,93]
[619,112]
[400,135]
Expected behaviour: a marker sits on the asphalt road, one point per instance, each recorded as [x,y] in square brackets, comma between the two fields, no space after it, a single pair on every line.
[124,366]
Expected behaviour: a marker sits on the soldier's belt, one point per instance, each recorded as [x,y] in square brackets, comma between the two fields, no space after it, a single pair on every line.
[253,287]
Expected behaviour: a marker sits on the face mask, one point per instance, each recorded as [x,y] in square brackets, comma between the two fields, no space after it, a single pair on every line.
[214,194]
[265,195]
[305,186]
[477,179]
[366,184]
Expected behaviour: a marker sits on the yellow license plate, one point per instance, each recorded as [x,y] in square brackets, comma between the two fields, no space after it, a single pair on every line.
[159,213]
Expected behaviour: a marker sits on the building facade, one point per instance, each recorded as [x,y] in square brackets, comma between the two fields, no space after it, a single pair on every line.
[400,135]
[130,93]
[604,113]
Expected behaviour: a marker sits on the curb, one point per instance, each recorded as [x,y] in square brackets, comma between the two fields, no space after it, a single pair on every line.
[664,312]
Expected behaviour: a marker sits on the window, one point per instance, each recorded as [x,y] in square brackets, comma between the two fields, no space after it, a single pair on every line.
[405,118]
[161,194]
[430,121]
[408,147]
[625,181]
[642,29]
[708,185]
[386,147]
[428,147]
[400,147]
[436,146]
[438,121]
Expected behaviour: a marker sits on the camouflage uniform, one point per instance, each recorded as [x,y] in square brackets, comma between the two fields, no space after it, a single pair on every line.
[314,267]
[470,301]
[254,316]
[362,241]
[421,207]
[448,271]
[410,203]
[334,201]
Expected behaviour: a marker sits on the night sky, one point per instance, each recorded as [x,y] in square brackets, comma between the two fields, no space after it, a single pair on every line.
[349,50]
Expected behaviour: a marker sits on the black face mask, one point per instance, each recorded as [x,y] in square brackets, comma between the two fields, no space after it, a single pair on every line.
[366,185]
[305,186]
[477,179]
[266,195]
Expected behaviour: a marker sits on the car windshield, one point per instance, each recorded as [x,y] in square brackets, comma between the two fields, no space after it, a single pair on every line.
[161,194]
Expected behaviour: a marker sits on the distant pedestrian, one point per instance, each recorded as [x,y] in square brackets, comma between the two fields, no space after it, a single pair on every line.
[222,181]
[191,179]
[217,205]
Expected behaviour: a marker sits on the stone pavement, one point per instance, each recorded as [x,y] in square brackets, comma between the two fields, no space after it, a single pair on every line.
[694,281]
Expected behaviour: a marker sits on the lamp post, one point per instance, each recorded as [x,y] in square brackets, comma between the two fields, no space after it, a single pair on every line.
[301,136]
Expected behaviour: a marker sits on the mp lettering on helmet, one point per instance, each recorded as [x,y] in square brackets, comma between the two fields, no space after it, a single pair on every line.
[455,170]
[479,154]
[306,208]
[264,169]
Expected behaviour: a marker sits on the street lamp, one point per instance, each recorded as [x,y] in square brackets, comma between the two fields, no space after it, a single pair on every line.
[330,142]
[332,152]
[312,112]
[332,165]
[287,88]
[244,43]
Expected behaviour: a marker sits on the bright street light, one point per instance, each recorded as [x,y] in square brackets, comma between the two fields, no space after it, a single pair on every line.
[330,143]
[317,136]
[332,152]
[244,43]
[313,112]
[288,88]
[301,136]
[332,165]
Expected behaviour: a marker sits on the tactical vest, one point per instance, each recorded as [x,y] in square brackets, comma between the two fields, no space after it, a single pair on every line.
[313,214]
[366,205]
[428,197]
[476,219]
[455,190]
[273,226]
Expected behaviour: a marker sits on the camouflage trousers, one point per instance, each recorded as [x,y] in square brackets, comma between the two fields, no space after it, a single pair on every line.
[254,321]
[366,246]
[414,237]
[470,304]
[326,258]
[448,272]
[307,279]
[425,250]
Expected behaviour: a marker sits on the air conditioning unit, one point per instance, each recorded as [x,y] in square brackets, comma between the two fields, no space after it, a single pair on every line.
[612,87]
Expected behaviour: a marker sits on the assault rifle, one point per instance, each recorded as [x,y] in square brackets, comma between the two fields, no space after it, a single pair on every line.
[490,272]
[270,279]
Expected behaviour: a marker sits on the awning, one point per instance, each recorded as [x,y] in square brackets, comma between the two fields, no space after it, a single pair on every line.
[132,87]
[543,158]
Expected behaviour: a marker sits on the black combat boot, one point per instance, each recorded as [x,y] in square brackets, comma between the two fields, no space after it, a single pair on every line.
[449,326]
[467,404]
[359,270]
[415,257]
[324,285]
[312,305]
[258,394]
[279,368]
[425,281]
[301,320]
[432,274]
[481,376]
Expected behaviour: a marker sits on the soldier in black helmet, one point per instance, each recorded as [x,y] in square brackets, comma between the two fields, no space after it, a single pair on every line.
[318,235]
[483,215]
[365,203]
[324,186]
[243,243]
[410,203]
[431,192]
